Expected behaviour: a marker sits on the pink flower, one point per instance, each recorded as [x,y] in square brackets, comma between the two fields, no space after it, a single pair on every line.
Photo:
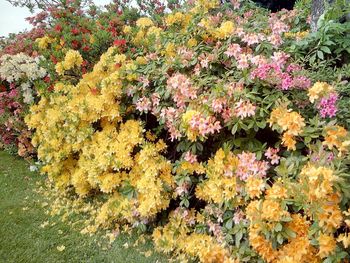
[271,153]
[13,93]
[143,104]
[181,88]
[244,109]
[218,104]
[190,157]
[280,58]
[275,39]
[327,105]
[251,38]
[248,166]
[233,50]
[243,61]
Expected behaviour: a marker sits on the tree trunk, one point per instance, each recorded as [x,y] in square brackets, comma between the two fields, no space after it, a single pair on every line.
[317,9]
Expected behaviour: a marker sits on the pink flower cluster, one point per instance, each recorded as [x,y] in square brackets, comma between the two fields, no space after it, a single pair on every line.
[249,166]
[243,59]
[204,125]
[327,105]
[279,74]
[244,109]
[190,157]
[182,89]
[170,115]
[272,154]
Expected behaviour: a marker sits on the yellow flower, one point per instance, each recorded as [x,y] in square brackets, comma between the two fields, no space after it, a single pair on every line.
[345,238]
[144,22]
[61,248]
[272,211]
[254,186]
[289,141]
[319,89]
[127,29]
[327,245]
[44,42]
[225,30]
[72,59]
[192,42]
[336,137]
[277,191]
[59,68]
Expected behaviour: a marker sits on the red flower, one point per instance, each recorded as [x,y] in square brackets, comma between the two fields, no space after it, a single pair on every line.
[119,42]
[58,28]
[47,79]
[53,59]
[75,44]
[86,48]
[75,31]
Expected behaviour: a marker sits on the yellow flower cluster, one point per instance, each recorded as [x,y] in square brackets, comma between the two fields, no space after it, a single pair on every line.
[44,42]
[178,18]
[296,249]
[144,22]
[177,236]
[71,60]
[76,154]
[186,118]
[318,187]
[297,35]
[225,30]
[291,123]
[338,137]
[220,185]
[318,90]
[205,5]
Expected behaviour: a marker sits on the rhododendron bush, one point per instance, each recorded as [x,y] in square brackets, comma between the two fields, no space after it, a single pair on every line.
[18,74]
[201,126]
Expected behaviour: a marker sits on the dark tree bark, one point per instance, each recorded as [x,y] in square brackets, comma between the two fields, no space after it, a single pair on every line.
[317,9]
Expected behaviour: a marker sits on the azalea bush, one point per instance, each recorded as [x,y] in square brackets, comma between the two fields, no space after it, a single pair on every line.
[18,74]
[203,126]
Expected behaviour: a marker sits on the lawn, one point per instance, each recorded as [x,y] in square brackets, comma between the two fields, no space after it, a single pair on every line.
[24,240]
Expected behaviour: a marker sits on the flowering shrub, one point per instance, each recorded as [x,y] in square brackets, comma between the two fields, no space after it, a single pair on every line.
[206,128]
[18,74]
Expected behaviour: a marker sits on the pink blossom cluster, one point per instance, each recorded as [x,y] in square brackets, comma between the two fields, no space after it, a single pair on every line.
[327,105]
[249,166]
[143,104]
[190,157]
[272,154]
[218,104]
[181,88]
[170,115]
[277,73]
[244,109]
[243,59]
[204,125]
[186,55]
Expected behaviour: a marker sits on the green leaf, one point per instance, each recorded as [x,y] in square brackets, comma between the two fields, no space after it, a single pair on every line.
[229,223]
[238,237]
[326,50]
[280,239]
[320,54]
[278,227]
[234,128]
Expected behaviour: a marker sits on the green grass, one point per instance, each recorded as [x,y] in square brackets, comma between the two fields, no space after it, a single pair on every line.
[23,240]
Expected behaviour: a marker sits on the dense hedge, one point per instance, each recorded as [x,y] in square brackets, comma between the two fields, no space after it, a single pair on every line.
[205,126]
